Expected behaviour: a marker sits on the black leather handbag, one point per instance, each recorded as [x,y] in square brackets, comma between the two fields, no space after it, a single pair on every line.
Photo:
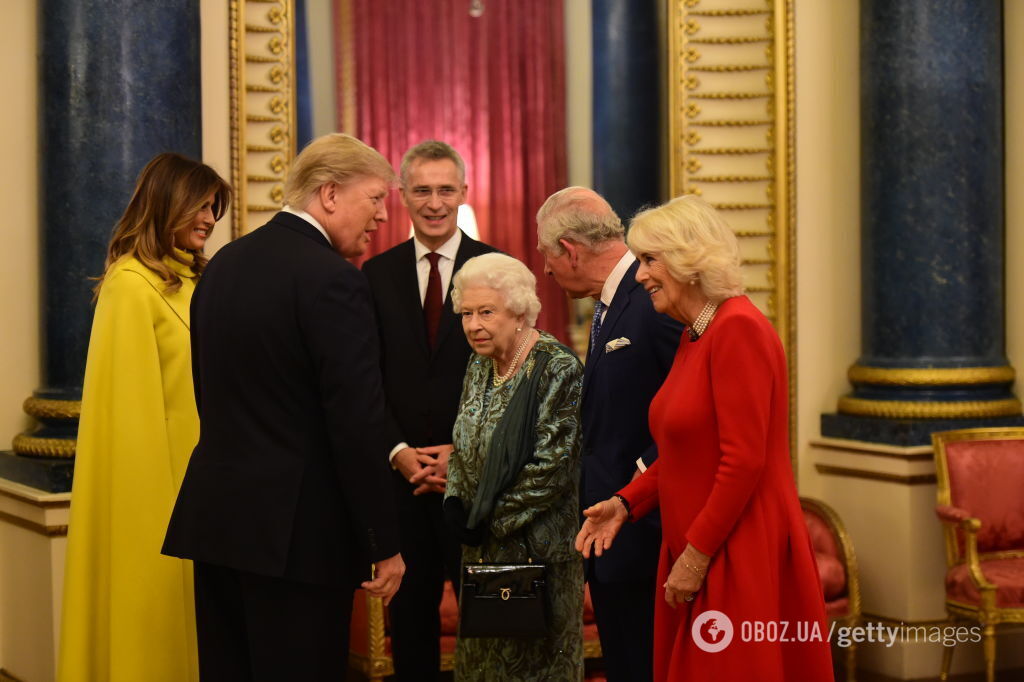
[503,600]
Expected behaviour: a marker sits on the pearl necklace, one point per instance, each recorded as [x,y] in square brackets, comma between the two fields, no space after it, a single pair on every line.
[703,320]
[499,380]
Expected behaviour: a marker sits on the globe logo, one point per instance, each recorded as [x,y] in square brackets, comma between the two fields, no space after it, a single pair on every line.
[712,631]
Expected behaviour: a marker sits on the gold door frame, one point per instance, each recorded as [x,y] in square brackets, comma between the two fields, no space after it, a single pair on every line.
[731,139]
[262,54]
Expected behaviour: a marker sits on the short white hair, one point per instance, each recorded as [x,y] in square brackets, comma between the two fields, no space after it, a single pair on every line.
[504,274]
[577,214]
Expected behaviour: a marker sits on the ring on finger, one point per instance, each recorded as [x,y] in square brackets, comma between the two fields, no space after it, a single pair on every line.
[688,597]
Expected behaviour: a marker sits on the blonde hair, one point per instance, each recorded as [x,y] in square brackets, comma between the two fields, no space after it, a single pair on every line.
[504,274]
[168,195]
[335,157]
[692,240]
[577,214]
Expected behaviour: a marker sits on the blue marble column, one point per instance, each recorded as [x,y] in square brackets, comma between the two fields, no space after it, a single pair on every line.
[932,233]
[627,103]
[119,83]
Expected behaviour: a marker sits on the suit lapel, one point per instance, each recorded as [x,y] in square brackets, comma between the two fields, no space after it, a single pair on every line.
[620,302]
[407,286]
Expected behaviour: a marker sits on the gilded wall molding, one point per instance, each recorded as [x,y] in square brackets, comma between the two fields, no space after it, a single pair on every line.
[262,53]
[731,138]
[901,479]
[731,101]
[58,530]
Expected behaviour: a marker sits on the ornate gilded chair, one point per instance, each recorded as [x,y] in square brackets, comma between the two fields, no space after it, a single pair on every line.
[370,643]
[980,475]
[837,568]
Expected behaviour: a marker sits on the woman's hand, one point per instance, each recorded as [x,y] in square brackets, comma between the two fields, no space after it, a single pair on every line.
[604,520]
[687,576]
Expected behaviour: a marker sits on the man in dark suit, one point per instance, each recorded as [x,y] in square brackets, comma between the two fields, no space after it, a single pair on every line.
[631,350]
[423,358]
[287,500]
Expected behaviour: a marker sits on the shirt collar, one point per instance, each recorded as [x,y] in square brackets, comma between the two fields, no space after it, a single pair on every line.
[611,284]
[449,249]
[309,219]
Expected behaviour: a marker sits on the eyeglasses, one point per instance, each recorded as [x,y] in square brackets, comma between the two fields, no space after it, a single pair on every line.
[422,193]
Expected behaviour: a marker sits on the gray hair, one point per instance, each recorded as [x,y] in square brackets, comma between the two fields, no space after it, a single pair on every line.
[693,240]
[504,274]
[577,214]
[432,150]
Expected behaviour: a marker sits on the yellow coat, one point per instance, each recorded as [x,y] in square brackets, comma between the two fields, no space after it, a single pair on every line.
[128,611]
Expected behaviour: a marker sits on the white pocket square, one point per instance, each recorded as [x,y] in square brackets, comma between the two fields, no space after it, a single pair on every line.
[616,344]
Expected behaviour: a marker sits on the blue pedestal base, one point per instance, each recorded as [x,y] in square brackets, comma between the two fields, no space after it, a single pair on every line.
[51,475]
[901,432]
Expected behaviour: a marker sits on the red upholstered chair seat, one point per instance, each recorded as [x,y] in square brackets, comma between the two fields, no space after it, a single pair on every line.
[1007,574]
[832,574]
[828,556]
[985,478]
[837,608]
[980,478]
[837,569]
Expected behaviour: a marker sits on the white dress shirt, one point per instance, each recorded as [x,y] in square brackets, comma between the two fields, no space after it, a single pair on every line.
[611,285]
[446,268]
[445,264]
[309,219]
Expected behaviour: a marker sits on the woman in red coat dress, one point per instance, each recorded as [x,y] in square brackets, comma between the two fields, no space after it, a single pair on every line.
[733,536]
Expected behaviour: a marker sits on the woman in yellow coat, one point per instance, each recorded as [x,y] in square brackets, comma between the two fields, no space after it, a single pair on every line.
[128,612]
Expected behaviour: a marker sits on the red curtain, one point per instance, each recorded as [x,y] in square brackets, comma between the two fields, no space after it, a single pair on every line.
[491,86]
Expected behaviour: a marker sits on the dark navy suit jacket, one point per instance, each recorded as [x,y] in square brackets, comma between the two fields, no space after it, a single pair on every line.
[422,384]
[290,476]
[618,387]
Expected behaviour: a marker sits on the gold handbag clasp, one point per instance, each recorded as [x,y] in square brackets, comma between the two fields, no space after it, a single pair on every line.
[506,593]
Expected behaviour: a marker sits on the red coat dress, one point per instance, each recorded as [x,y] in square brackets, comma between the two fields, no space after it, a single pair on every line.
[723,482]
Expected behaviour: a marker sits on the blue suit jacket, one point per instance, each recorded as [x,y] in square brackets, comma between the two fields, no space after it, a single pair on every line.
[618,387]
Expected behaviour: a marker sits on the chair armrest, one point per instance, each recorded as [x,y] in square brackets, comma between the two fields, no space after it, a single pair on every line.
[971,527]
[951,514]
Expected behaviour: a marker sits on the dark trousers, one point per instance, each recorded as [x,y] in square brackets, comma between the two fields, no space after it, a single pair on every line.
[431,555]
[255,628]
[625,622]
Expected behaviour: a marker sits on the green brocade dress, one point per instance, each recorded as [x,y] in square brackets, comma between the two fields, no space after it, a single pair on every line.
[536,518]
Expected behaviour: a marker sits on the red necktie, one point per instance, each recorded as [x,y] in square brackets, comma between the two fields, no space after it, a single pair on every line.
[432,301]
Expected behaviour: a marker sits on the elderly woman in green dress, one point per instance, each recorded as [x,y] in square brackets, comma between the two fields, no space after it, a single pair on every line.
[532,513]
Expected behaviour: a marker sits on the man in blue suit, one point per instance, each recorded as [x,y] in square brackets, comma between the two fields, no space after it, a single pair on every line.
[631,350]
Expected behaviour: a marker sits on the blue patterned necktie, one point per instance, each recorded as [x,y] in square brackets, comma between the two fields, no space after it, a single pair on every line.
[595,324]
